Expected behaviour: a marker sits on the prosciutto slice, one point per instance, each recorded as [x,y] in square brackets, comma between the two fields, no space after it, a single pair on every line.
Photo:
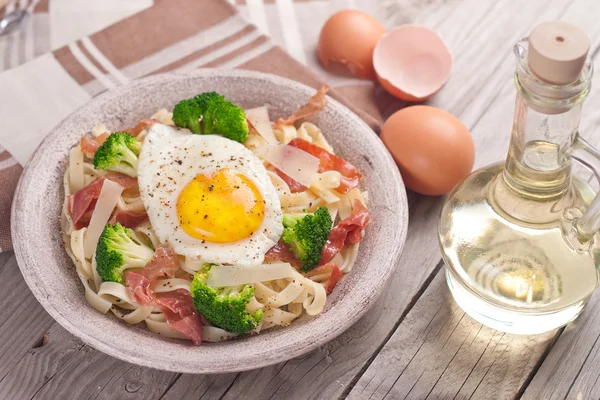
[138,287]
[83,202]
[128,219]
[163,264]
[282,252]
[140,284]
[294,185]
[315,104]
[347,232]
[177,306]
[143,124]
[180,313]
[335,275]
[334,278]
[329,162]
[90,145]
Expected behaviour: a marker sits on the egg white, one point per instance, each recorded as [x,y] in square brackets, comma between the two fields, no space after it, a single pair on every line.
[172,158]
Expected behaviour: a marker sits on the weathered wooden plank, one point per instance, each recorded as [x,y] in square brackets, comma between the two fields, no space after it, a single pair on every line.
[23,321]
[51,355]
[134,382]
[4,257]
[63,367]
[89,374]
[439,352]
[573,364]
[587,384]
[190,386]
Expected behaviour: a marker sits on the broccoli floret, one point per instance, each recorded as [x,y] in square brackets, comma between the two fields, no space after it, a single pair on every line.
[204,99]
[119,153]
[307,235]
[210,113]
[118,250]
[187,114]
[224,307]
[225,118]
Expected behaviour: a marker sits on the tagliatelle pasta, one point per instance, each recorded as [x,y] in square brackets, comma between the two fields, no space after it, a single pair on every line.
[281,292]
[324,184]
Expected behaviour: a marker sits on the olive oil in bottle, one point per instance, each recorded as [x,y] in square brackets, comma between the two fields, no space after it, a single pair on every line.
[519,238]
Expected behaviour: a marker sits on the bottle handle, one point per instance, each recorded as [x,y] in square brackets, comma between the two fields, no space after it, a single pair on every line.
[587,226]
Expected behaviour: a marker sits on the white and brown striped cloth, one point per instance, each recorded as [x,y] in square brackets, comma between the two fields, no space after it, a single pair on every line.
[44,80]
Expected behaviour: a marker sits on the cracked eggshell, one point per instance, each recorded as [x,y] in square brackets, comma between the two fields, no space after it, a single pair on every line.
[347,41]
[412,62]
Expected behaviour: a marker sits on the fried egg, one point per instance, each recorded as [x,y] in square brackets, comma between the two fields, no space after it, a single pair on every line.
[208,197]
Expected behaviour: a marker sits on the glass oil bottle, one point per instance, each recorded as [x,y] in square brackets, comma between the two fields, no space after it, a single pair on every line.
[519,238]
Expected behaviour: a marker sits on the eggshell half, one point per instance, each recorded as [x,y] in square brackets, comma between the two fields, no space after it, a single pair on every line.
[412,62]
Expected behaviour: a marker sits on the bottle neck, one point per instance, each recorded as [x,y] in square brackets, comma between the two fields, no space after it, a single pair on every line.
[538,165]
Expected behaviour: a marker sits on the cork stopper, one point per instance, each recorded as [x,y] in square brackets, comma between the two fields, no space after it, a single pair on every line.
[557,52]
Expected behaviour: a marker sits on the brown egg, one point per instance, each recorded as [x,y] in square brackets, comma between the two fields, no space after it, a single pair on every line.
[432,148]
[347,42]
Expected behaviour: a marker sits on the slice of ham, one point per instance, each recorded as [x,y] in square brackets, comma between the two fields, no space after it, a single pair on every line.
[86,217]
[90,145]
[143,124]
[138,287]
[140,284]
[315,104]
[180,313]
[294,185]
[334,278]
[335,275]
[177,306]
[163,264]
[128,219]
[82,203]
[347,232]
[282,252]
[329,162]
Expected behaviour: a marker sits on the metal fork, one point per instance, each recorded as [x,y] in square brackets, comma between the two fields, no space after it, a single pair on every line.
[12,21]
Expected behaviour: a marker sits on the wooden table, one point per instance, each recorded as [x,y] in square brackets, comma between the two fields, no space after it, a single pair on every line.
[415,342]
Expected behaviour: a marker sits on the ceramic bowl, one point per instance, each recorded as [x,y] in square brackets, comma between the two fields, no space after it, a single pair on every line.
[51,275]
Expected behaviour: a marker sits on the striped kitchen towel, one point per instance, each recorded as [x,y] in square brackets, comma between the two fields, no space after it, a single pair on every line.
[169,35]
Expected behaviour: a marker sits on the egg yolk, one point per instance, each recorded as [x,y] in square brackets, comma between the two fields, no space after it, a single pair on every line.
[221,208]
